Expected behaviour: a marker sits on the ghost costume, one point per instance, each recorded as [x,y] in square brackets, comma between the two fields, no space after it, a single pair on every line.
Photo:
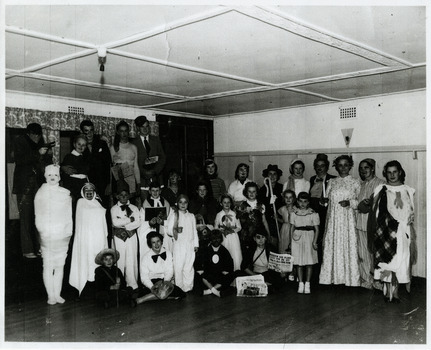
[91,234]
[53,214]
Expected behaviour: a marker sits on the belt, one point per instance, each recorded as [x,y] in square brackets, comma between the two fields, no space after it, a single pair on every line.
[305,228]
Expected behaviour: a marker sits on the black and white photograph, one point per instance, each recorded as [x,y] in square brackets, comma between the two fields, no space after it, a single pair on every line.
[157,154]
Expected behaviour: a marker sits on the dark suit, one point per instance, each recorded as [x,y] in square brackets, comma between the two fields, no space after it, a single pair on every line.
[99,161]
[150,172]
[27,178]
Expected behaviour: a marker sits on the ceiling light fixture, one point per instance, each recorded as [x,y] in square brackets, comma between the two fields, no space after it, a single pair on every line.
[101,52]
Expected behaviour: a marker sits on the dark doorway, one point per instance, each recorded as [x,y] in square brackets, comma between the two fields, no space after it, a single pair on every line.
[187,143]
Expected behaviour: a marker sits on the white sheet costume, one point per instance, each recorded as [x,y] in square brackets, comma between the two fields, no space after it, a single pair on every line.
[53,214]
[183,248]
[91,234]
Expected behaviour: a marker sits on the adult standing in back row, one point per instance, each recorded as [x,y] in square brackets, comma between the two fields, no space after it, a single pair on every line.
[151,156]
[98,158]
[31,156]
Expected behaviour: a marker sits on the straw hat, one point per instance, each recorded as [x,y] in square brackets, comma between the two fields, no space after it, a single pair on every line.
[107,251]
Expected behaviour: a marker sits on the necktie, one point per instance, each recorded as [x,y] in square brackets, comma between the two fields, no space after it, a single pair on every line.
[126,208]
[147,145]
[156,256]
[318,179]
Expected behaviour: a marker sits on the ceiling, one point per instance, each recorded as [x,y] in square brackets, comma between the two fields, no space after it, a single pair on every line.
[210,61]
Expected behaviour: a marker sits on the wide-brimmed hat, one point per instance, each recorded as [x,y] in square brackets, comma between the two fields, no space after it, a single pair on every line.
[162,289]
[107,251]
[272,167]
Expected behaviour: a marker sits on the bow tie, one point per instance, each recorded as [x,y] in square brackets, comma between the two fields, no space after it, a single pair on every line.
[126,208]
[155,257]
[318,179]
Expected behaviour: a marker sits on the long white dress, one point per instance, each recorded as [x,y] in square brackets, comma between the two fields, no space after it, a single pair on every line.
[91,236]
[340,243]
[230,241]
[401,207]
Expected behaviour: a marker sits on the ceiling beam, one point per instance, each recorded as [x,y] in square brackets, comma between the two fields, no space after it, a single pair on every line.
[169,26]
[53,62]
[281,20]
[290,85]
[63,80]
[48,37]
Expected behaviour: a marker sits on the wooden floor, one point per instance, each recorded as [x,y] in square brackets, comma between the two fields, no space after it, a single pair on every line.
[330,315]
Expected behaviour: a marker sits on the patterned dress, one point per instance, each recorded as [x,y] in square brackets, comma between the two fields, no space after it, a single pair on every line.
[340,244]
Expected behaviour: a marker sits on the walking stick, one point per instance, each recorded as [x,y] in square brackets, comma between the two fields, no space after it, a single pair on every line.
[116,269]
[273,204]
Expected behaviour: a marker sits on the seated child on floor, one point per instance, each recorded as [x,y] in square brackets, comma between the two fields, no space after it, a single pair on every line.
[109,280]
[256,259]
[217,273]
[157,272]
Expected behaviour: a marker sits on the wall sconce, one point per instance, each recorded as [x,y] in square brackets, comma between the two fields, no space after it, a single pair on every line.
[101,52]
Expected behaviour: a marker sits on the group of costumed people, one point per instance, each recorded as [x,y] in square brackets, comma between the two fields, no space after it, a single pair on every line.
[360,231]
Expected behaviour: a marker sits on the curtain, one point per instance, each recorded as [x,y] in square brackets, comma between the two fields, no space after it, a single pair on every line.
[54,122]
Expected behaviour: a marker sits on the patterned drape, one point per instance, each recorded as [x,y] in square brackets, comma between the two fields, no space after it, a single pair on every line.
[54,122]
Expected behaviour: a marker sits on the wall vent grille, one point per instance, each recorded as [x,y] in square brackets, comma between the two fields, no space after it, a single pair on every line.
[347,113]
[76,110]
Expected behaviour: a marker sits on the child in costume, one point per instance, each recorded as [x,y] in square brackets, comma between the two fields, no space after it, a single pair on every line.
[256,261]
[109,280]
[181,225]
[304,232]
[229,225]
[251,214]
[125,221]
[285,211]
[157,271]
[217,273]
[53,213]
[91,234]
[156,223]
